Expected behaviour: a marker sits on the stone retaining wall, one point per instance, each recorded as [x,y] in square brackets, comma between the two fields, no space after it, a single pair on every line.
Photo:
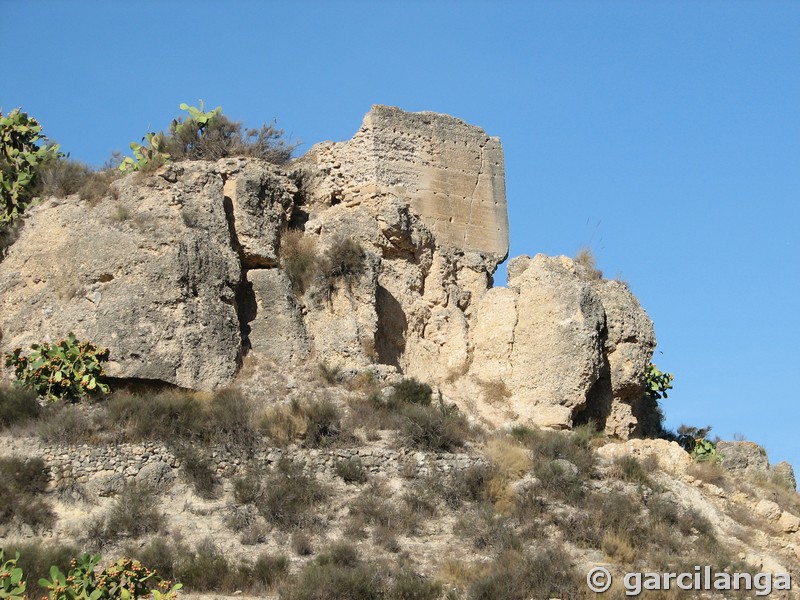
[157,463]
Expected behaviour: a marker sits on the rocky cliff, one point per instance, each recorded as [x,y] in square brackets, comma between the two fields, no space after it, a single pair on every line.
[184,271]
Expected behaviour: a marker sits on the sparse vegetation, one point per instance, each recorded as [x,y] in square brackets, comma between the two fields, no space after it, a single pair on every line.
[298,258]
[22,483]
[586,264]
[284,497]
[134,513]
[17,405]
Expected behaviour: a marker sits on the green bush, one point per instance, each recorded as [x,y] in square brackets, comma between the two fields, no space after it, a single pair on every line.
[68,370]
[657,383]
[411,391]
[438,429]
[12,582]
[22,151]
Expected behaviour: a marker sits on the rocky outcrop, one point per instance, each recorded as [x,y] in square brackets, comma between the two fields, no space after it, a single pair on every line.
[750,459]
[561,348]
[183,271]
[151,274]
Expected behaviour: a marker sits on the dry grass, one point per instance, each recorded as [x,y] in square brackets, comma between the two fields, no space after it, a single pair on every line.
[316,424]
[512,460]
[495,392]
[586,263]
[708,472]
[298,258]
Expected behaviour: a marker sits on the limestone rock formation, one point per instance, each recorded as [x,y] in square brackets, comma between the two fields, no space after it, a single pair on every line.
[152,275]
[550,357]
[395,236]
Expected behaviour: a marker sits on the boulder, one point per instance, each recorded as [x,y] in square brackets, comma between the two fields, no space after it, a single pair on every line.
[784,473]
[548,352]
[743,457]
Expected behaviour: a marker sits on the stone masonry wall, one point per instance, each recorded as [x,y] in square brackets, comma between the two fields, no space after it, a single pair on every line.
[157,463]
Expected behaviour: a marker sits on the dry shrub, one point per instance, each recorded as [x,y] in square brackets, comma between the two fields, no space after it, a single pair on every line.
[515,575]
[316,423]
[484,528]
[586,263]
[283,497]
[372,414]
[495,392]
[351,471]
[223,137]
[707,471]
[205,568]
[618,547]
[199,471]
[344,261]
[374,507]
[630,468]
[133,514]
[434,428]
[298,259]
[337,574]
[301,544]
[18,405]
[178,417]
[511,460]
[65,424]
[22,481]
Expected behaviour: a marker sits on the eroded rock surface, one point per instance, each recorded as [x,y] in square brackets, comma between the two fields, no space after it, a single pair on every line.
[183,271]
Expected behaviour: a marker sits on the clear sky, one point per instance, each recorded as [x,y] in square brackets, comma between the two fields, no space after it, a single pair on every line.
[663,135]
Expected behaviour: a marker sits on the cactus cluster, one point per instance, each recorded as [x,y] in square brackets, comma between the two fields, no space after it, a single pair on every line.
[124,580]
[12,583]
[68,370]
[152,153]
[23,149]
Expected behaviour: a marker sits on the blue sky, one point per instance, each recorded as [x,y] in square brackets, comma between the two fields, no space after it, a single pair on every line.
[663,135]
